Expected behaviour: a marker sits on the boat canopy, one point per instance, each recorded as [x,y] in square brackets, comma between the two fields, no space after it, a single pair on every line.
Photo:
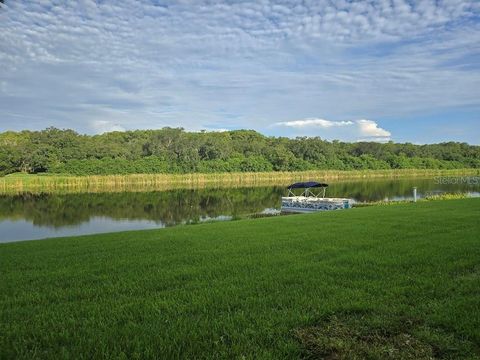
[306,185]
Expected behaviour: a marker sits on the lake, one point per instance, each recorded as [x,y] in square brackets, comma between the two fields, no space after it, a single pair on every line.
[28,216]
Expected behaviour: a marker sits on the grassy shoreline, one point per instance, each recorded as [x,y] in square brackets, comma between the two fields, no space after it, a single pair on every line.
[18,183]
[377,282]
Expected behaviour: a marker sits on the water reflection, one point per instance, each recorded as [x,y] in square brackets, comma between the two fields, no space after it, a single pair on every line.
[30,216]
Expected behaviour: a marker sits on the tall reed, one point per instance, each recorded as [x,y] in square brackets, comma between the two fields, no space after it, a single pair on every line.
[19,183]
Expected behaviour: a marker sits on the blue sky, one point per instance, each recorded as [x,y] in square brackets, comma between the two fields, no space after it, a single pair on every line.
[349,70]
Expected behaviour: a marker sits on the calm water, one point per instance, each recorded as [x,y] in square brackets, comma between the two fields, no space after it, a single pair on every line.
[28,216]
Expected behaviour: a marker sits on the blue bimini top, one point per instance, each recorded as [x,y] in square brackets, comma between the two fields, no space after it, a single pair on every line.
[306,185]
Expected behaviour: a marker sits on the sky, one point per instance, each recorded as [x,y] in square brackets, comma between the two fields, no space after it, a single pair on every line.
[406,71]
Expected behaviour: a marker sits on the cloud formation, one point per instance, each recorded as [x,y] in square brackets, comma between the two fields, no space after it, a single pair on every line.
[322,123]
[103,126]
[356,130]
[370,128]
[202,64]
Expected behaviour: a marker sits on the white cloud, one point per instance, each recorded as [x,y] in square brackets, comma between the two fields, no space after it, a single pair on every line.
[369,128]
[212,130]
[350,130]
[188,63]
[375,139]
[322,123]
[103,126]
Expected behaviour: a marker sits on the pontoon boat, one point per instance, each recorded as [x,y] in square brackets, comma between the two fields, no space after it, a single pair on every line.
[309,201]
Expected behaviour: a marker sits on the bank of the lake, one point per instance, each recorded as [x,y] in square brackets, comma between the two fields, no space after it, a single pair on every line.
[47,183]
[379,281]
[27,216]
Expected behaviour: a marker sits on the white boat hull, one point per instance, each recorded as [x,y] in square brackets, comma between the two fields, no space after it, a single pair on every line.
[307,204]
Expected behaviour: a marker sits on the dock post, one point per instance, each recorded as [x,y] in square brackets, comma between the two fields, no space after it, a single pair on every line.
[415,194]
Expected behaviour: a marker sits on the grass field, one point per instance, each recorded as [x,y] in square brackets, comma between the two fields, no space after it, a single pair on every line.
[395,282]
[46,183]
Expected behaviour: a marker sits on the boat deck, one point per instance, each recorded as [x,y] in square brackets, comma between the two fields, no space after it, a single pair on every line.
[310,204]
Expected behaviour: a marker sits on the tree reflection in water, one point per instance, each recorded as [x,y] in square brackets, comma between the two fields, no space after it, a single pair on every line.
[180,206]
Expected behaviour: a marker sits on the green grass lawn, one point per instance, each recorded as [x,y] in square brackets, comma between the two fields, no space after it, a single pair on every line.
[386,282]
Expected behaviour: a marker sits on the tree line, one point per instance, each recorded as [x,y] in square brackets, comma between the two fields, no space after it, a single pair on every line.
[173,150]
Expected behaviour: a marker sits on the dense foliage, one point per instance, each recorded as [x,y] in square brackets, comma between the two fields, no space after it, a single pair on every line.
[176,151]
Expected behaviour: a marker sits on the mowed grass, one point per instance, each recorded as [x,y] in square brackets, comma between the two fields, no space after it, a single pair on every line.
[379,282]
